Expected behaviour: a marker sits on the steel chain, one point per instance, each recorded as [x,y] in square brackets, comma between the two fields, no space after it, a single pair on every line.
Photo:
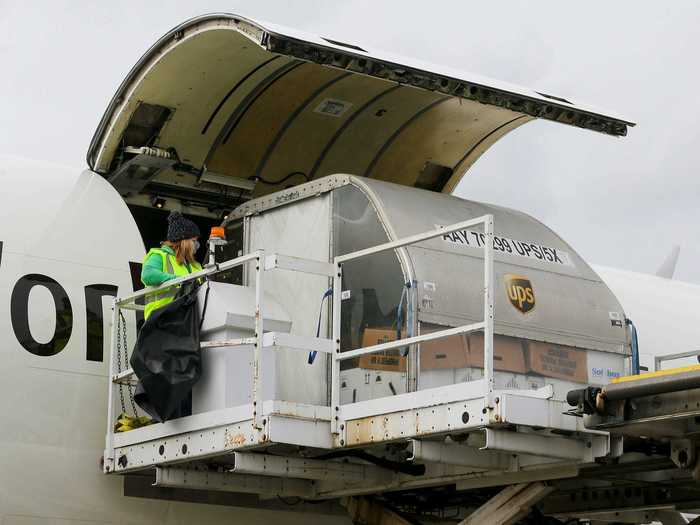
[122,322]
[119,361]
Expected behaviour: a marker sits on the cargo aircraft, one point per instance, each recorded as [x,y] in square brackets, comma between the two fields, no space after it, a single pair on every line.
[222,110]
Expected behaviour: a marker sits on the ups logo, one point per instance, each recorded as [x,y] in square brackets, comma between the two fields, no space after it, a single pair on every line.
[520,292]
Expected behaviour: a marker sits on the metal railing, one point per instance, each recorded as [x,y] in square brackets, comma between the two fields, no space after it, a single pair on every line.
[129,302]
[486,325]
[259,340]
[332,346]
[672,357]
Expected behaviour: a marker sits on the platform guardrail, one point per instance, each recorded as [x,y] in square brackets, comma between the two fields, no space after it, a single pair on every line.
[486,325]
[463,406]
[673,357]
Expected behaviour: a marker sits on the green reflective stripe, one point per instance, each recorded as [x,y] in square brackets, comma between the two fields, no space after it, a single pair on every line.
[162,295]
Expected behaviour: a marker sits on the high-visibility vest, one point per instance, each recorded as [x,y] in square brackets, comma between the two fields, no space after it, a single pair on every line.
[171,266]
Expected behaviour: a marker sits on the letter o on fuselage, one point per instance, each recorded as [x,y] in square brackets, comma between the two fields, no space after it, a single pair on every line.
[19,313]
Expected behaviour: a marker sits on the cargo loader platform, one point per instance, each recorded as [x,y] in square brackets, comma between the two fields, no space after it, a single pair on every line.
[468,432]
[345,356]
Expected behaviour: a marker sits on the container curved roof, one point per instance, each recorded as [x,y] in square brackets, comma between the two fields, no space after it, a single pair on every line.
[276,107]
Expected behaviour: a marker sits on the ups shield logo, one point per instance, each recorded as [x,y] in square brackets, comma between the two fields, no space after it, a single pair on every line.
[520,292]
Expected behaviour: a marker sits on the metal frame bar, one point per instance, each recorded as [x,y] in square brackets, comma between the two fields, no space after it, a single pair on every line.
[335,362]
[125,303]
[259,328]
[182,426]
[487,325]
[442,395]
[108,456]
[413,239]
[297,264]
[488,308]
[441,334]
[244,341]
[558,447]
[307,468]
[297,342]
[221,481]
[270,339]
[671,357]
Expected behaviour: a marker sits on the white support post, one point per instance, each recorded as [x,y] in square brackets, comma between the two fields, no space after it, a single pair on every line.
[335,362]
[257,403]
[488,308]
[109,439]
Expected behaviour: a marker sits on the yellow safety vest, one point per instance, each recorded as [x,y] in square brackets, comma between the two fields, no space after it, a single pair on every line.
[171,266]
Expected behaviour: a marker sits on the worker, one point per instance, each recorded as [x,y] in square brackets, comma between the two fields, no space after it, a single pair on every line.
[174,258]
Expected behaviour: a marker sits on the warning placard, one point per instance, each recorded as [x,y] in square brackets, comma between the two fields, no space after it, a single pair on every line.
[530,250]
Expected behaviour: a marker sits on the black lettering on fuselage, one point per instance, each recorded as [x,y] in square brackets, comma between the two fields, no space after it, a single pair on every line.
[93,315]
[19,314]
[95,333]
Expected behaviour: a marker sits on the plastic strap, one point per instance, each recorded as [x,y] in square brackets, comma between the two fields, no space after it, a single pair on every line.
[204,308]
[635,346]
[399,316]
[326,294]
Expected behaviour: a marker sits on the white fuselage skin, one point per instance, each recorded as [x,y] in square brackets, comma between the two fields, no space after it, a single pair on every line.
[77,231]
[666,313]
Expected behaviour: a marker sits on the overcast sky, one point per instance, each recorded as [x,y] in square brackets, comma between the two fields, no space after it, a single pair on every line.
[620,202]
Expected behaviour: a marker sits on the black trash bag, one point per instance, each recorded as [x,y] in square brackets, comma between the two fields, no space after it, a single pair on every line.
[166,357]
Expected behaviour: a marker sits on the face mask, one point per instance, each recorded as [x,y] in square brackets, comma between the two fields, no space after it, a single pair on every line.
[196,246]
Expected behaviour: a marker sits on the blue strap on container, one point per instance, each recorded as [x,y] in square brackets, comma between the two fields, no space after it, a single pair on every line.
[326,294]
[399,316]
[635,346]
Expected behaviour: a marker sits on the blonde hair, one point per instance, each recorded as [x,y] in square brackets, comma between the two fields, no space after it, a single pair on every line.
[184,250]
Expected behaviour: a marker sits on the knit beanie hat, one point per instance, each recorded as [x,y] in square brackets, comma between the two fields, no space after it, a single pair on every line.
[180,228]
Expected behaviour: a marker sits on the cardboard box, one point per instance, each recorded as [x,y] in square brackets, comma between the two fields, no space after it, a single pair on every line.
[508,353]
[450,352]
[558,361]
[388,361]
[462,351]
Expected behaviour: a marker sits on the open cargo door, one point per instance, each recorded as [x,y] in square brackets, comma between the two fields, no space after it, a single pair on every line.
[224,109]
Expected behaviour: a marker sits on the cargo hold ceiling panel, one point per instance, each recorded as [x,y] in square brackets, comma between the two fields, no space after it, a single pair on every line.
[226,102]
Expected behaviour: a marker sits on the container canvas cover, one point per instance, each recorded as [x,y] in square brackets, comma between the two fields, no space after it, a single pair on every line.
[261,107]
